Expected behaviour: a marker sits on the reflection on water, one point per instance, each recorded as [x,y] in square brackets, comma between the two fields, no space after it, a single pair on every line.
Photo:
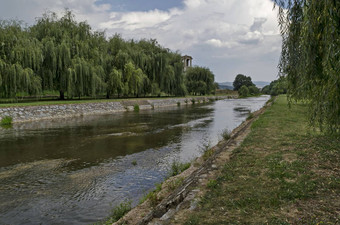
[73,171]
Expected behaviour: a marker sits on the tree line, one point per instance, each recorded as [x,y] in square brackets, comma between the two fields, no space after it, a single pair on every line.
[310,58]
[66,56]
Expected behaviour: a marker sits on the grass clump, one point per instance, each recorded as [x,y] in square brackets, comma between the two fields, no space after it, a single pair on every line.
[136,108]
[193,101]
[212,184]
[6,121]
[177,168]
[152,196]
[134,162]
[226,134]
[178,104]
[118,212]
[172,185]
[208,153]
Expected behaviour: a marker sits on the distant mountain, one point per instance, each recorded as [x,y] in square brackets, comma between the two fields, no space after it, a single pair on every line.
[226,86]
[261,84]
[229,85]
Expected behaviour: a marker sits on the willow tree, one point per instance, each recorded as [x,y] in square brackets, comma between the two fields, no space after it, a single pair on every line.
[114,83]
[200,80]
[311,57]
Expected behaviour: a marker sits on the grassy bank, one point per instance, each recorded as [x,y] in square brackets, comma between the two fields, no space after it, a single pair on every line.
[283,173]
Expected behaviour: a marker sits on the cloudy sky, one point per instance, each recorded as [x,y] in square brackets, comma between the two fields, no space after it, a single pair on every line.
[228,36]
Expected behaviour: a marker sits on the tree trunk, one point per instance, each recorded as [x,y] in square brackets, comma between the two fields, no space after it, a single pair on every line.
[62,95]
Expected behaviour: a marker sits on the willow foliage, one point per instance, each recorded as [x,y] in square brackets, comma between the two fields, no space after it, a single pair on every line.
[311,57]
[66,56]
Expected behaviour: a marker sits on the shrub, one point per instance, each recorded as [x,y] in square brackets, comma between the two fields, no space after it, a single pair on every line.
[178,104]
[193,101]
[243,91]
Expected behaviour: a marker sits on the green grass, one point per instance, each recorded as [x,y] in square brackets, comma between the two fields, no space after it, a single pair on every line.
[283,173]
[136,108]
[177,168]
[6,121]
[152,196]
[117,213]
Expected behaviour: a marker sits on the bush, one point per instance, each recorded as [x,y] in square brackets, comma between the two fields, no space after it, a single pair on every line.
[253,90]
[243,91]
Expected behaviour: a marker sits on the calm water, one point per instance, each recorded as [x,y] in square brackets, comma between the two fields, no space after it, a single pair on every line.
[73,171]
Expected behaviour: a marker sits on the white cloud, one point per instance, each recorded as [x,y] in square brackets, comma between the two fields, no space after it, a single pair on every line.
[214,32]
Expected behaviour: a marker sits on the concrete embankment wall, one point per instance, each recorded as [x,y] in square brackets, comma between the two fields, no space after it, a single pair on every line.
[34,113]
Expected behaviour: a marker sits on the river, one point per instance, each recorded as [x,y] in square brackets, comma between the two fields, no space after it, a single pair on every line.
[74,171]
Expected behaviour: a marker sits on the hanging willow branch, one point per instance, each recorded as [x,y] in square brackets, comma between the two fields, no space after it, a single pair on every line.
[310,57]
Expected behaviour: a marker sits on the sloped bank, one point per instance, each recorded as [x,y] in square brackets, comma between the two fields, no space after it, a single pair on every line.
[172,200]
[34,113]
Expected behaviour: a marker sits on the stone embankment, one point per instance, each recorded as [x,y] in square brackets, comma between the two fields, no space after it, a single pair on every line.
[43,112]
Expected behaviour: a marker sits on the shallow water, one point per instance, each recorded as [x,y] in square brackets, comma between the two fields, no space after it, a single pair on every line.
[73,171]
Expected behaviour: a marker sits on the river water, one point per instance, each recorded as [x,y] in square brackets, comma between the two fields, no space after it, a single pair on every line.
[73,171]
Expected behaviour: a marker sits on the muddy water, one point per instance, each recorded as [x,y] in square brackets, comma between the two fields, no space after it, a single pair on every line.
[73,171]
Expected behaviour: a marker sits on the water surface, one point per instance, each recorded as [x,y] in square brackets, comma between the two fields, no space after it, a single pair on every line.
[73,171]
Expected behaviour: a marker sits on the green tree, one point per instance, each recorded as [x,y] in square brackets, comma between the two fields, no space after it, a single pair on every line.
[243,91]
[253,90]
[200,81]
[310,57]
[241,80]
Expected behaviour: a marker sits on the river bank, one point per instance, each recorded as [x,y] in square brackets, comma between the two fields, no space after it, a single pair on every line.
[275,171]
[183,191]
[21,114]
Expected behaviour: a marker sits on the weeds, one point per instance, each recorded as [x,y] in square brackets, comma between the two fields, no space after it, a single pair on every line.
[212,184]
[178,104]
[118,212]
[193,101]
[152,196]
[226,134]
[6,121]
[192,220]
[177,168]
[136,108]
[175,183]
[134,162]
